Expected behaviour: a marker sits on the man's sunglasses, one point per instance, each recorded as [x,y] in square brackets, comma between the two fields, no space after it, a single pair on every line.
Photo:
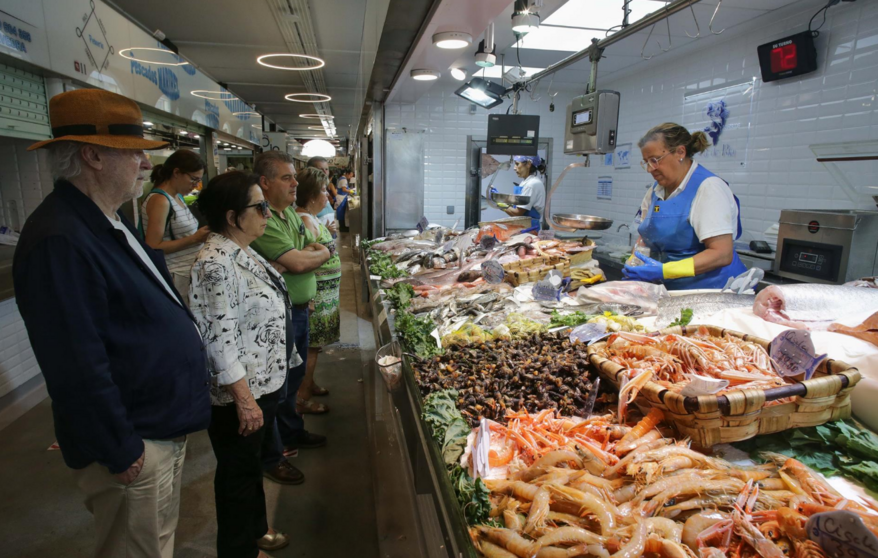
[263,206]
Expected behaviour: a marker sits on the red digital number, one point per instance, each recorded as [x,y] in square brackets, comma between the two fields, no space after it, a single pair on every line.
[784,58]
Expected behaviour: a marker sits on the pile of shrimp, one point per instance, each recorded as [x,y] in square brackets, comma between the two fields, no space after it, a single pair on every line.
[670,359]
[648,496]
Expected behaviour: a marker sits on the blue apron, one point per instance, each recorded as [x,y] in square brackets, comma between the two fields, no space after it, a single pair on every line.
[670,237]
[535,217]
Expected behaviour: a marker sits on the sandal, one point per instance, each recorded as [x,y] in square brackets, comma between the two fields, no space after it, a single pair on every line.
[319,391]
[310,407]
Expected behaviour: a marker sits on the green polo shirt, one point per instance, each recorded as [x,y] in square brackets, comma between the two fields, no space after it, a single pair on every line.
[281,236]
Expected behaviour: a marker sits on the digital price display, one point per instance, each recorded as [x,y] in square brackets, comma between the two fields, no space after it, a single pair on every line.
[582,117]
[791,56]
[811,259]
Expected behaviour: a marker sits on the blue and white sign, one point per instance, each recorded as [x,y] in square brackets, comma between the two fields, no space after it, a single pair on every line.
[622,159]
[605,187]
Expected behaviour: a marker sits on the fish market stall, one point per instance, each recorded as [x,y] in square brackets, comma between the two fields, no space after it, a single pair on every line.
[546,418]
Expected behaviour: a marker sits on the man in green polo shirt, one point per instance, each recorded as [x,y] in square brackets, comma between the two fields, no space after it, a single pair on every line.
[288,244]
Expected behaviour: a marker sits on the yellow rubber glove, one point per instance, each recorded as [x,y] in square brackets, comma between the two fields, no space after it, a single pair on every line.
[678,269]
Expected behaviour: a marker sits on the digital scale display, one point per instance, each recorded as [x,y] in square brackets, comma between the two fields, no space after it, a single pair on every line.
[788,57]
[811,259]
[512,141]
[582,117]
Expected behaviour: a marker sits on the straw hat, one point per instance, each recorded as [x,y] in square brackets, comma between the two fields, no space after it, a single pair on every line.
[97,117]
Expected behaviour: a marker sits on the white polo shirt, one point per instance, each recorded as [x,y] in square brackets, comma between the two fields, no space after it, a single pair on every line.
[532,186]
[713,212]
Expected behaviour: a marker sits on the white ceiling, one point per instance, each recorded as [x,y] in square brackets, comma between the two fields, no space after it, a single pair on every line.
[224,38]
[597,14]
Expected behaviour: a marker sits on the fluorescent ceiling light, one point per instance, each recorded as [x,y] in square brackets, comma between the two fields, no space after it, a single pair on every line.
[458,74]
[599,14]
[559,38]
[195,136]
[246,113]
[227,148]
[316,128]
[308,98]
[314,62]
[320,116]
[495,72]
[184,133]
[129,54]
[452,39]
[425,75]
[148,123]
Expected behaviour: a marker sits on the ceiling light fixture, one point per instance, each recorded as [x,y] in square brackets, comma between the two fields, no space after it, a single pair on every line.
[452,40]
[425,75]
[124,53]
[321,116]
[321,128]
[318,148]
[312,98]
[195,136]
[147,123]
[486,94]
[458,74]
[184,133]
[247,113]
[319,63]
[525,18]
[486,56]
[213,95]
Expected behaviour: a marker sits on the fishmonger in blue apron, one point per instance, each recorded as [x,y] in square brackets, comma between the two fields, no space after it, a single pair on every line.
[530,169]
[690,217]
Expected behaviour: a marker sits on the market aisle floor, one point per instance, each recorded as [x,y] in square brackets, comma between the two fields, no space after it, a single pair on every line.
[332,514]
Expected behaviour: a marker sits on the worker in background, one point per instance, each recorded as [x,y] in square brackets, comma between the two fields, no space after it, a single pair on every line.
[530,169]
[690,217]
[343,188]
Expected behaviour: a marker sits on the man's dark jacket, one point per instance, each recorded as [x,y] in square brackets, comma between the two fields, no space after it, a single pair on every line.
[122,359]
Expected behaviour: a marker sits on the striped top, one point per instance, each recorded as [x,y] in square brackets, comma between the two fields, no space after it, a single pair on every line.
[183,224]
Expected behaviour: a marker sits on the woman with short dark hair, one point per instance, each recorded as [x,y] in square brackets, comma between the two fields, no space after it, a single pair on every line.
[324,320]
[241,306]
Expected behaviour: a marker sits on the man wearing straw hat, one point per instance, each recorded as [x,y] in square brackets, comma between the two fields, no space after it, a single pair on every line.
[120,352]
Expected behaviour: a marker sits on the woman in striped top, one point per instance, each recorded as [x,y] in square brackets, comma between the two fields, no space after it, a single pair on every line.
[168,224]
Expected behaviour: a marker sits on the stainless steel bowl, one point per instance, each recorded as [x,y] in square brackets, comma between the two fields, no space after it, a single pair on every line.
[574,221]
[511,199]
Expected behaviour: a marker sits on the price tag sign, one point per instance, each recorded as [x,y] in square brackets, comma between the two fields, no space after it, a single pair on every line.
[493,272]
[375,277]
[422,224]
[488,242]
[842,533]
[546,235]
[793,352]
[587,333]
[545,291]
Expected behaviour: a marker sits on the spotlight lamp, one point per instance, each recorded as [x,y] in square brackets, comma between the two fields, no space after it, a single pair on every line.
[485,58]
[525,18]
[484,93]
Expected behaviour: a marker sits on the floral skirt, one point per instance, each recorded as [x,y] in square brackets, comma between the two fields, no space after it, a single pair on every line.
[324,321]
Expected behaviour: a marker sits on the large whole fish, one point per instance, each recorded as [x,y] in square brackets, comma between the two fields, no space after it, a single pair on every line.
[702,306]
[808,306]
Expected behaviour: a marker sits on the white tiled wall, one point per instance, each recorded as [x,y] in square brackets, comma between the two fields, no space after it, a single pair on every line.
[835,103]
[24,181]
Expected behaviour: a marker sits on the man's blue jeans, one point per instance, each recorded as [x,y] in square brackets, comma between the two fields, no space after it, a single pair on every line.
[288,424]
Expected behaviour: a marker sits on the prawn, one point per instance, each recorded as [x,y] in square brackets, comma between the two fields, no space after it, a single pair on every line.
[539,511]
[623,463]
[603,510]
[628,392]
[650,421]
[491,550]
[623,448]
[635,545]
[666,548]
[570,535]
[510,540]
[521,490]
[543,464]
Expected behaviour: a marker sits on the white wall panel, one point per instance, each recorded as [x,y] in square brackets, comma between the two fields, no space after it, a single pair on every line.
[835,103]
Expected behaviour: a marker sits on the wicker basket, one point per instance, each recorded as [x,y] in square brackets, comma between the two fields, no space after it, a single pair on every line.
[534,269]
[739,415]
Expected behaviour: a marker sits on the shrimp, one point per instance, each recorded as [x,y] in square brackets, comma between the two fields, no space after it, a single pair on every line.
[559,476]
[569,519]
[521,490]
[539,511]
[635,545]
[570,535]
[543,464]
[624,447]
[752,536]
[629,391]
[809,549]
[666,548]
[650,421]
[692,486]
[493,551]
[666,528]
[792,523]
[696,524]
[512,520]
[603,510]
[623,463]
[510,540]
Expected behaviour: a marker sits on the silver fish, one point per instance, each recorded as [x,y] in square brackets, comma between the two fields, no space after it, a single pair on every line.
[702,306]
[809,306]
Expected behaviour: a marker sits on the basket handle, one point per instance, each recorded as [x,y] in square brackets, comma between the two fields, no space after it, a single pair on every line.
[794,390]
